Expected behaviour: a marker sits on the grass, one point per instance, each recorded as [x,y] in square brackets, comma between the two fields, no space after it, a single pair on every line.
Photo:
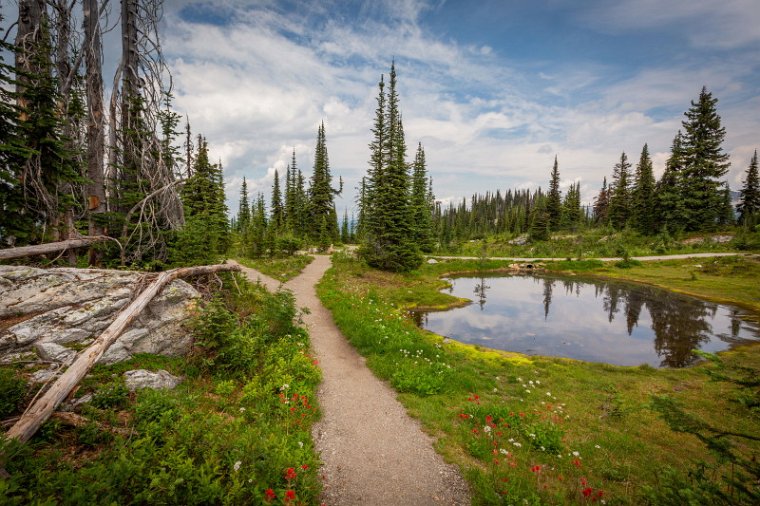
[281,269]
[541,430]
[237,430]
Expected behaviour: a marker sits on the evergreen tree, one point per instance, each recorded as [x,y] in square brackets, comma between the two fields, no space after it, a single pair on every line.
[554,199]
[602,204]
[620,194]
[726,215]
[571,207]
[321,193]
[749,196]
[704,163]
[420,201]
[345,236]
[244,208]
[389,240]
[278,210]
[643,209]
[539,219]
[15,219]
[669,189]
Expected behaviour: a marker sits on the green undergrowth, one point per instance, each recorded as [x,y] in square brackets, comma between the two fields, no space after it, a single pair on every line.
[540,430]
[237,430]
[605,242]
[282,269]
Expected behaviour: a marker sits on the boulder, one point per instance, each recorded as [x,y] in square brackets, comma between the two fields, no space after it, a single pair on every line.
[55,312]
[141,378]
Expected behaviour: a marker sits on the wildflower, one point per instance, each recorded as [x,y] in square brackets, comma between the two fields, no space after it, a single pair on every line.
[536,469]
[300,444]
[284,386]
[532,436]
[548,394]
[290,495]
[517,444]
[487,429]
[576,462]
[587,491]
[290,474]
[527,391]
[242,410]
[503,451]
[538,382]
[576,454]
[269,494]
[597,447]
[236,466]
[305,467]
[519,380]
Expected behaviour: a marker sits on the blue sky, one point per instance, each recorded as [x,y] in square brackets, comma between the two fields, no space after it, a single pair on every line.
[493,89]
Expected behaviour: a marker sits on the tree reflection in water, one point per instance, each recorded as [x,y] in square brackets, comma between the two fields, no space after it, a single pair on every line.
[678,324]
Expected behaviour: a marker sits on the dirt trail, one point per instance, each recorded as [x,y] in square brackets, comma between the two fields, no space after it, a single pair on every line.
[373,453]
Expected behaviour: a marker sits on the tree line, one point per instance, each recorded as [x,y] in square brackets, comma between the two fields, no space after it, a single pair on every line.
[74,161]
[297,216]
[690,195]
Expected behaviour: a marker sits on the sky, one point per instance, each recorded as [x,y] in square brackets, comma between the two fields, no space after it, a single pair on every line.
[493,89]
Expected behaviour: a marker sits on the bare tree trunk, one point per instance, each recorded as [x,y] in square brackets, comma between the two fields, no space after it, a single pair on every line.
[130,114]
[41,410]
[27,38]
[51,247]
[64,223]
[95,190]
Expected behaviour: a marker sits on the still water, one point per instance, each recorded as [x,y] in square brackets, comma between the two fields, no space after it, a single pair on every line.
[592,320]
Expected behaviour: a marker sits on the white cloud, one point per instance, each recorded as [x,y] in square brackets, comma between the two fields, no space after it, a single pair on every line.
[260,85]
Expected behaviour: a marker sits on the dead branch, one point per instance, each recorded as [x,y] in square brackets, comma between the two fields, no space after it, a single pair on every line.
[51,247]
[40,411]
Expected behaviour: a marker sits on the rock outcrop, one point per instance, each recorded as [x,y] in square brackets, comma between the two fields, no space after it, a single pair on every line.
[56,312]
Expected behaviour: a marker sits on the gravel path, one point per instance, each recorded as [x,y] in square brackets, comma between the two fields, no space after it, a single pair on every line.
[373,453]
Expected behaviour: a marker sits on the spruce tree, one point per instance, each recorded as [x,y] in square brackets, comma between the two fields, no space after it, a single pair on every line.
[571,207]
[602,204]
[345,236]
[420,201]
[388,237]
[620,196]
[705,163]
[670,188]
[554,199]
[749,196]
[244,207]
[278,210]
[643,209]
[321,193]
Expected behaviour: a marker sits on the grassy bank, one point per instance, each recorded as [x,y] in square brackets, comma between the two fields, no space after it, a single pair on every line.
[237,430]
[281,269]
[537,430]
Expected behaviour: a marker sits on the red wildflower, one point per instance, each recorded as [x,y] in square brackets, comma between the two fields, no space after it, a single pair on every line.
[587,491]
[464,416]
[489,419]
[577,462]
[305,467]
[536,469]
[290,474]
[269,494]
[290,495]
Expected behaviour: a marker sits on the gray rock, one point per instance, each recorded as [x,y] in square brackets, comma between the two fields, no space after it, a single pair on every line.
[53,352]
[73,306]
[432,261]
[520,240]
[141,378]
[43,375]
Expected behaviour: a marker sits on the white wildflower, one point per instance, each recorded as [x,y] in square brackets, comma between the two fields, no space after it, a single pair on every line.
[487,429]
[300,444]
[597,447]
[517,444]
[284,386]
[576,454]
[549,394]
[503,451]
[236,466]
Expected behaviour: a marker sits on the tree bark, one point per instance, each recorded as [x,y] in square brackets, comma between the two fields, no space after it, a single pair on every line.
[41,410]
[95,188]
[51,247]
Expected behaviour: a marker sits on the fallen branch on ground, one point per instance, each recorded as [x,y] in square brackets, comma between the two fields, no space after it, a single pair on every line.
[38,412]
[50,247]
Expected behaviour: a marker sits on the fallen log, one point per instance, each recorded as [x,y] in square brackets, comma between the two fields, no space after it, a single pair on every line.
[42,408]
[50,247]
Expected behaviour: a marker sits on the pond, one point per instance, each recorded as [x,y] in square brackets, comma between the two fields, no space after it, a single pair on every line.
[589,319]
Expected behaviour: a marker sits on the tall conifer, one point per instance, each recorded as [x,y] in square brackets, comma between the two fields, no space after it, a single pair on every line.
[705,163]
[644,209]
[749,196]
[554,199]
[620,196]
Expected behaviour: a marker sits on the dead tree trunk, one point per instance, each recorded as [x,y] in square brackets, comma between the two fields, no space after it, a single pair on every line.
[41,410]
[51,247]
[95,190]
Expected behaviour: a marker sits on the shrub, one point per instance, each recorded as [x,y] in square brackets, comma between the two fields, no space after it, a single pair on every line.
[12,392]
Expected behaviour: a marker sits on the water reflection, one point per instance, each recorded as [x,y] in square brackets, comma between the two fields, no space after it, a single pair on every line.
[590,320]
